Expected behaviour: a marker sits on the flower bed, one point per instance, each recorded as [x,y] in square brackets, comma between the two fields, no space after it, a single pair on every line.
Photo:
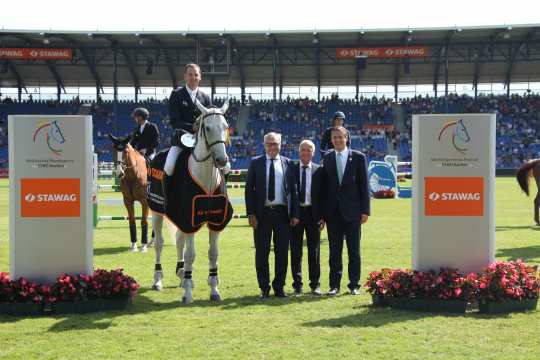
[384,194]
[513,284]
[103,290]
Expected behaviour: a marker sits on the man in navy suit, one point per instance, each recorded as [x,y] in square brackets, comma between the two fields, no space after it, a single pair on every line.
[272,209]
[345,205]
[306,174]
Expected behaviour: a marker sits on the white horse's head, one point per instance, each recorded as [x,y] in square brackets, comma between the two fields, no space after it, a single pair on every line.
[213,132]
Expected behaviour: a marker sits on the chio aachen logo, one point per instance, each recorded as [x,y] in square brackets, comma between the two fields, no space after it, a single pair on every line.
[52,134]
[459,135]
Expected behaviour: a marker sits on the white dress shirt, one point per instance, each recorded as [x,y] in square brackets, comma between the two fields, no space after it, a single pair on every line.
[141,128]
[280,198]
[309,172]
[344,157]
[192,93]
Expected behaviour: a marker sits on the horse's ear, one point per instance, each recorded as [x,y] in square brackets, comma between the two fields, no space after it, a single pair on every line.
[112,137]
[225,106]
[201,107]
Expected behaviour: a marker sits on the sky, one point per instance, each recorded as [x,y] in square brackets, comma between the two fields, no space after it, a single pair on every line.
[231,15]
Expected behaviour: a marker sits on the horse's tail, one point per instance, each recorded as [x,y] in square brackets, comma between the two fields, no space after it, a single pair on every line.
[523,174]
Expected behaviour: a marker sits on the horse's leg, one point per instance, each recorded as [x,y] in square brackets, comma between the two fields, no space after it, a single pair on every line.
[213,279]
[152,238]
[157,223]
[180,243]
[187,283]
[132,225]
[144,226]
[537,208]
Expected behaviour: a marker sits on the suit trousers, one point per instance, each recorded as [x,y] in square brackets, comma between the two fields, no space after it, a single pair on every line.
[275,221]
[338,229]
[313,239]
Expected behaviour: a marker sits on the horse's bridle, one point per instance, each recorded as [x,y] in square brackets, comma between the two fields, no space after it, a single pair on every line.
[208,145]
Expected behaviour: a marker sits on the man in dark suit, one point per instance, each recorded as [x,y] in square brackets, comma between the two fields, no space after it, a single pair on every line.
[272,209]
[346,205]
[145,136]
[183,112]
[306,174]
[326,139]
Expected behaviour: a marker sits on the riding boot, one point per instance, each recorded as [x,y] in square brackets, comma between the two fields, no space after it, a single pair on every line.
[144,234]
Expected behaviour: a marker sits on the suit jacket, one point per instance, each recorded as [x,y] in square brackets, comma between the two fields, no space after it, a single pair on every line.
[315,187]
[255,191]
[148,140]
[352,197]
[182,111]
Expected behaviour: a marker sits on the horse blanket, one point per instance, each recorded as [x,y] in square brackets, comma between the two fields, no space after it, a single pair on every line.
[189,205]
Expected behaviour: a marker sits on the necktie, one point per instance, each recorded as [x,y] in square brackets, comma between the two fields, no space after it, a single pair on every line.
[272,182]
[339,165]
[303,185]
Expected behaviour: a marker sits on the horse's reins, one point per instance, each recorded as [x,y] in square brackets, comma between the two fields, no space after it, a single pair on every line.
[205,137]
[202,130]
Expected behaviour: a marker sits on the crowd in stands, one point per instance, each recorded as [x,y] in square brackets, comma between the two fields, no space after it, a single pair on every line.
[518,122]
[369,120]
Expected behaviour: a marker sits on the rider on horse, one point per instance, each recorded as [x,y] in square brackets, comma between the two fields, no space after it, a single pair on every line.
[145,136]
[183,112]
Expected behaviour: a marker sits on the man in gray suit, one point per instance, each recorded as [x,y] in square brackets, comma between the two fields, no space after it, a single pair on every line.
[272,209]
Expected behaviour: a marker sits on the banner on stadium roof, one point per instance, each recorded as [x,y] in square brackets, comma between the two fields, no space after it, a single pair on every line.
[453,191]
[383,52]
[50,196]
[378,126]
[35,54]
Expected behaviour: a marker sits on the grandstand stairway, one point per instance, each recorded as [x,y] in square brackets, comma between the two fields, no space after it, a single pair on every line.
[243,119]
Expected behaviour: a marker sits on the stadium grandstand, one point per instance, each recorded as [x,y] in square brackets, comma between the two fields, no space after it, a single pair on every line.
[288,81]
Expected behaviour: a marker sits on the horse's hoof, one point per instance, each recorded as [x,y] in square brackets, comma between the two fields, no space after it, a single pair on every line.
[157,287]
[215,298]
[186,300]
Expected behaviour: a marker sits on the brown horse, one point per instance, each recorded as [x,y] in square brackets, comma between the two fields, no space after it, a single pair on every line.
[526,171]
[133,185]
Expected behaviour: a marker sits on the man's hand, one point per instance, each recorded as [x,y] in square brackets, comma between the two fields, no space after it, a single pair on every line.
[252,221]
[364,218]
[294,221]
[195,127]
[321,224]
[143,152]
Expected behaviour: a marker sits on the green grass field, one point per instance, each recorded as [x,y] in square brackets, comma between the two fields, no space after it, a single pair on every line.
[158,326]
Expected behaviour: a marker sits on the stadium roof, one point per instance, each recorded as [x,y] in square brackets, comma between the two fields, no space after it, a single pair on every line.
[501,54]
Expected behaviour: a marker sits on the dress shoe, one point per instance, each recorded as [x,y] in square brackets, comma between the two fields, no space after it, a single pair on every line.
[316,291]
[281,294]
[265,294]
[298,292]
[355,291]
[333,292]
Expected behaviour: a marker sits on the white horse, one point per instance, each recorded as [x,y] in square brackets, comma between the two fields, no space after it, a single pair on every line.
[205,163]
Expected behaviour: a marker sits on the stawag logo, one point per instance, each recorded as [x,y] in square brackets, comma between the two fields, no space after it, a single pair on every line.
[50,198]
[454,196]
[52,135]
[448,196]
[459,135]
